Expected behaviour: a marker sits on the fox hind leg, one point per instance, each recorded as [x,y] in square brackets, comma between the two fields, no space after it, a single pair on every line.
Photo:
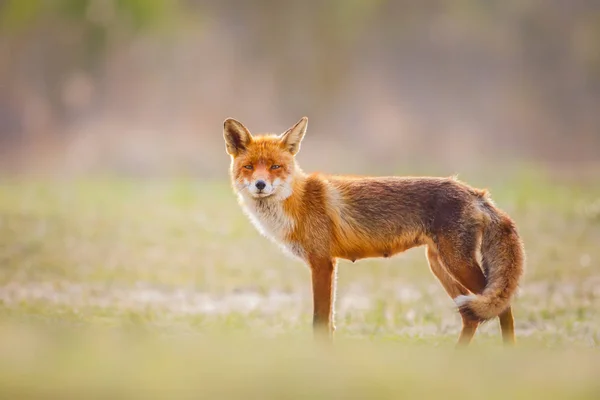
[507,325]
[462,264]
[454,289]
[459,258]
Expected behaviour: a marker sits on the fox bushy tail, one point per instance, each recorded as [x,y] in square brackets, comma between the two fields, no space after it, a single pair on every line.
[503,259]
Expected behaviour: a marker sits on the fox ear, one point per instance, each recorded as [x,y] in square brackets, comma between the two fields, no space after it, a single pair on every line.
[292,137]
[237,136]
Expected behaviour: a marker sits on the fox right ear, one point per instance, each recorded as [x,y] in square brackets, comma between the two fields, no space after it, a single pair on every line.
[292,137]
[237,136]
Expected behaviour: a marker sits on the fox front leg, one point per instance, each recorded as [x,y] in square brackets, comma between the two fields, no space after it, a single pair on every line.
[323,286]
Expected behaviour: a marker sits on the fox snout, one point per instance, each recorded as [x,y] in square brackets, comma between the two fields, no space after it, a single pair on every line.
[260,187]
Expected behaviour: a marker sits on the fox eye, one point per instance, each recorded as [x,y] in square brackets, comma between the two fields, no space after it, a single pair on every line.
[275,166]
[249,166]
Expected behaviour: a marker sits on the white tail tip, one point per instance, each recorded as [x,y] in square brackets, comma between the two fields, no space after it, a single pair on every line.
[462,300]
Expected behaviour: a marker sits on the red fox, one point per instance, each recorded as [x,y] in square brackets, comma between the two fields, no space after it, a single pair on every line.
[320,218]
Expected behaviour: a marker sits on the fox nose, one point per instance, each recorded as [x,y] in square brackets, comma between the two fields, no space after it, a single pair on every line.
[260,185]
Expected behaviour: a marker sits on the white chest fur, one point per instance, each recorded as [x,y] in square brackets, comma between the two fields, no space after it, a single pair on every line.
[269,217]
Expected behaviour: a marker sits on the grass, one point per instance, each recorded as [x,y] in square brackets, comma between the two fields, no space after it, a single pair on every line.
[164,289]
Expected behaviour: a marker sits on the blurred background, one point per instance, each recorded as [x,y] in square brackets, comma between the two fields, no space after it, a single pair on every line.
[142,86]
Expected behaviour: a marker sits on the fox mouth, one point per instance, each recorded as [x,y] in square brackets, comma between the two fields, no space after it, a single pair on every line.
[261,195]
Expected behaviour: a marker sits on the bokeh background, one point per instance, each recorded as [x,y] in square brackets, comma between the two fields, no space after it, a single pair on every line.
[141,87]
[128,270]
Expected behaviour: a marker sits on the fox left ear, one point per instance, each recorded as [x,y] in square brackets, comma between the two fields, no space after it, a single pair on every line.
[237,136]
[292,137]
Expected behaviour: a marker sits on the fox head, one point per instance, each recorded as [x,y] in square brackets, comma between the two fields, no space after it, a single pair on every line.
[263,166]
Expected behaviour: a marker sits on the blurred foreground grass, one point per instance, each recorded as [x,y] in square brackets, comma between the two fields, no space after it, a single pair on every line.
[80,364]
[161,288]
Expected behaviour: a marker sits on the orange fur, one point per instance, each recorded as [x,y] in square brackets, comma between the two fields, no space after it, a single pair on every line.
[320,218]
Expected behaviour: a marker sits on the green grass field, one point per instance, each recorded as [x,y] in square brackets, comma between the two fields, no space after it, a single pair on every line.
[163,289]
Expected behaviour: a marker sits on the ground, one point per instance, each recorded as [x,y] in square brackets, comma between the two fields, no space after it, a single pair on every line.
[140,286]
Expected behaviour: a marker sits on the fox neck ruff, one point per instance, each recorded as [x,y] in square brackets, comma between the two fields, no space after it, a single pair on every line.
[269,216]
